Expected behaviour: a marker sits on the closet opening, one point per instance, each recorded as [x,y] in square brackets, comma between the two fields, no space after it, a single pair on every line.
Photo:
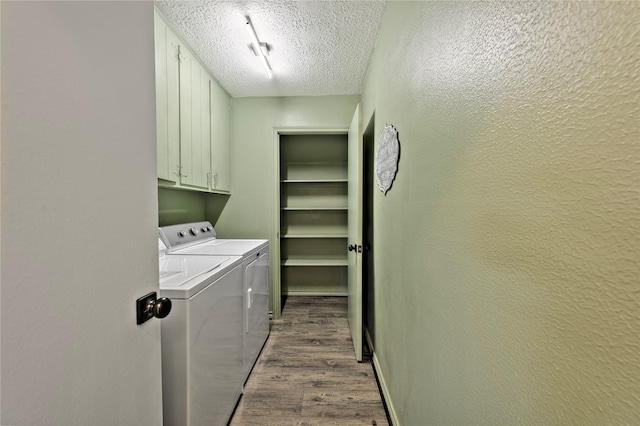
[311,219]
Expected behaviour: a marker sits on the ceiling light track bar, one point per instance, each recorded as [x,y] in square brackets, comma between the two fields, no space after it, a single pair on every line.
[260,49]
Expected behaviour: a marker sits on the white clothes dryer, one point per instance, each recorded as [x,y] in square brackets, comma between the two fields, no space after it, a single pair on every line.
[199,238]
[202,338]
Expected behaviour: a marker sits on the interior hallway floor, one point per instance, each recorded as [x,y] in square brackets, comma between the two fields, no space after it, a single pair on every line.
[307,373]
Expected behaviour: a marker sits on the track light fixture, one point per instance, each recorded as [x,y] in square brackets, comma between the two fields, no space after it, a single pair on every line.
[260,49]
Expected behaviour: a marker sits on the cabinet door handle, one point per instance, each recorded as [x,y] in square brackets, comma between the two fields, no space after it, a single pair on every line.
[179,173]
[179,55]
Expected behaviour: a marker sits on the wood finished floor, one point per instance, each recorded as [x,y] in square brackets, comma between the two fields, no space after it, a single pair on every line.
[307,373]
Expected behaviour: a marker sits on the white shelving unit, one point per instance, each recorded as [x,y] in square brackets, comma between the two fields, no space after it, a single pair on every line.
[313,214]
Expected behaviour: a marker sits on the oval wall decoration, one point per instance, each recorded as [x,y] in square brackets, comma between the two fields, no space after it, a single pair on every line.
[387,157]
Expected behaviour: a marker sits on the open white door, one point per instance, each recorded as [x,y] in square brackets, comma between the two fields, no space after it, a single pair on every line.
[79,214]
[355,232]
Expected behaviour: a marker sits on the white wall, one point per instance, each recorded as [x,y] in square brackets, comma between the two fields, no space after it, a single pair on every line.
[79,214]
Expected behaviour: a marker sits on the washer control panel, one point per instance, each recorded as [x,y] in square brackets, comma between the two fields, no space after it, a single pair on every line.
[175,236]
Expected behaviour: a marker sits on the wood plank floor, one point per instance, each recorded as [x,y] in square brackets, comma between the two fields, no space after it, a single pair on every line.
[307,373]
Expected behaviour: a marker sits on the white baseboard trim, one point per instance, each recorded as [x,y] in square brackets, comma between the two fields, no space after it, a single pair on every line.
[385,392]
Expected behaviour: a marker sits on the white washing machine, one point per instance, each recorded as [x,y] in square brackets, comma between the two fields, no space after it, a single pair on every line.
[199,238]
[202,338]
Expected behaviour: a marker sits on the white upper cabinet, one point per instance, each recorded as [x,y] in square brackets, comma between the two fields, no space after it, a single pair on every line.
[167,49]
[192,118]
[220,137]
[195,122]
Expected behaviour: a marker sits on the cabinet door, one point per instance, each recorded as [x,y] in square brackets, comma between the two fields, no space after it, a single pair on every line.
[195,140]
[167,101]
[205,126]
[220,139]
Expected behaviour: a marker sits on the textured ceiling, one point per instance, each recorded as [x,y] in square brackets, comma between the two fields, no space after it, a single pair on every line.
[318,47]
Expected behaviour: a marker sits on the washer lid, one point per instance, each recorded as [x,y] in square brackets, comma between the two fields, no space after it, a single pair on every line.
[182,271]
[186,276]
[162,248]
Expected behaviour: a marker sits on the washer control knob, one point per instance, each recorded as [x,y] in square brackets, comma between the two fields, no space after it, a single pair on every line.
[209,228]
[194,231]
[182,234]
[204,229]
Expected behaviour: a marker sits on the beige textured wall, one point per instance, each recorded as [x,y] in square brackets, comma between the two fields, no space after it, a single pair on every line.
[507,272]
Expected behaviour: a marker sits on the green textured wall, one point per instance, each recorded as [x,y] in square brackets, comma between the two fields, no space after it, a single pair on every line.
[179,206]
[507,273]
[249,212]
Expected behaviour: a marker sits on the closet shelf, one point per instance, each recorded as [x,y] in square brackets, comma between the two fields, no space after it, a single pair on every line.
[315,181]
[315,163]
[310,209]
[309,235]
[314,262]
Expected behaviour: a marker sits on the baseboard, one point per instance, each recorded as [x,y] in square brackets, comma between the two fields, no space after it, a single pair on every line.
[385,392]
[315,293]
